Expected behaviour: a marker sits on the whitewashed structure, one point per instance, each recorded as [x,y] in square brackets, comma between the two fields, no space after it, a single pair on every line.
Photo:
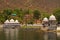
[45,22]
[45,19]
[11,24]
[52,23]
[11,29]
[52,17]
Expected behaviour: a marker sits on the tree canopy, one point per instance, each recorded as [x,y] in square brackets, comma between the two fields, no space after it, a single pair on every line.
[36,14]
[57,14]
[20,14]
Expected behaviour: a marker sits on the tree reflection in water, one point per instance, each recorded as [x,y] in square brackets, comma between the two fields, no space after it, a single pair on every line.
[50,36]
[30,35]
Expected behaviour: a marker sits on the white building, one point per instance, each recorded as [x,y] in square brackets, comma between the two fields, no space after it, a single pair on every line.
[52,23]
[11,23]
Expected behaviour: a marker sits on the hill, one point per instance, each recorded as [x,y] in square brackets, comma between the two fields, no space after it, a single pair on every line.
[43,5]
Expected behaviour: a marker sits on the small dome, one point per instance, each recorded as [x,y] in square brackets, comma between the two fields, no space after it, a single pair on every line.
[52,17]
[11,21]
[7,21]
[45,19]
[16,21]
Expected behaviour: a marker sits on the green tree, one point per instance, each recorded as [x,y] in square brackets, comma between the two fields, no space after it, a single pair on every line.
[27,15]
[19,14]
[7,13]
[36,14]
[44,14]
[57,14]
[2,18]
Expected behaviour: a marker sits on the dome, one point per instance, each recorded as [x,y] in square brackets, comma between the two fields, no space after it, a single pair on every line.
[52,17]
[12,21]
[45,19]
[16,21]
[7,21]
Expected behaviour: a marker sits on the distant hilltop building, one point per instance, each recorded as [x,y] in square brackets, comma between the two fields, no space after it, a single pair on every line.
[44,5]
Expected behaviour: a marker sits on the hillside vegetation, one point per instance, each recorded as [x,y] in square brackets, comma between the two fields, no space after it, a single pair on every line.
[43,5]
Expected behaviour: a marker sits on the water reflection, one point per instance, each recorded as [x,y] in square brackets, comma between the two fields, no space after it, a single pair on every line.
[45,36]
[50,36]
[23,34]
[11,34]
[58,35]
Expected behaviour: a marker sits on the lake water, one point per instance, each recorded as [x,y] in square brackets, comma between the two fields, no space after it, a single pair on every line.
[28,34]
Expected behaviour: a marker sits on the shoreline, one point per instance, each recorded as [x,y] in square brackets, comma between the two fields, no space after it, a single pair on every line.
[37,28]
